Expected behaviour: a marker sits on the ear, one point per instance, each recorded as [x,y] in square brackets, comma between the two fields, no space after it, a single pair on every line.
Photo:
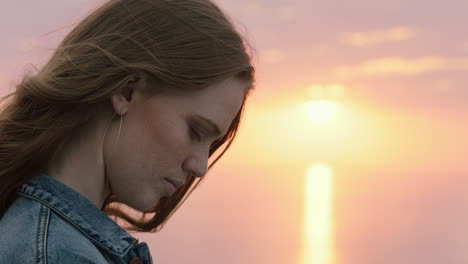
[122,99]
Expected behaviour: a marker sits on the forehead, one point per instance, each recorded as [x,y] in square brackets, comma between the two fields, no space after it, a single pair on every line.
[219,102]
[231,88]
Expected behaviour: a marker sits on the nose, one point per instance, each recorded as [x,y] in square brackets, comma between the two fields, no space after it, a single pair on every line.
[195,166]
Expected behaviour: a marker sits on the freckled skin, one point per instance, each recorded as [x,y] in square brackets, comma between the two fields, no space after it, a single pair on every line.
[155,142]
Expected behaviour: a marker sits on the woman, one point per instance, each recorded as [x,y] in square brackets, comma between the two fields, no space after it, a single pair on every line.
[127,112]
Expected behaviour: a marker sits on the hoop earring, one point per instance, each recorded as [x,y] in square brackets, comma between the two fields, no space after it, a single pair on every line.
[104,136]
[101,156]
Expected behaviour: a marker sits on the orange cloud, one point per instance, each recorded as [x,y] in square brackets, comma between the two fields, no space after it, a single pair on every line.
[272,55]
[401,66]
[334,90]
[4,83]
[253,9]
[26,44]
[287,12]
[369,38]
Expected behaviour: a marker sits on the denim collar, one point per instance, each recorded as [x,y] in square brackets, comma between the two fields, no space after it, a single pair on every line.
[81,213]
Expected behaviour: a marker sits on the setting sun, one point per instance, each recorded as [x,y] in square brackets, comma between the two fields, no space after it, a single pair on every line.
[321,111]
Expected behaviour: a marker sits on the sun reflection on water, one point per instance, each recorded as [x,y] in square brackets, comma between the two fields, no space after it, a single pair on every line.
[318,229]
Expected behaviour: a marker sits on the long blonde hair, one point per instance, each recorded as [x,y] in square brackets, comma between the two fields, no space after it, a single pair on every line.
[188,44]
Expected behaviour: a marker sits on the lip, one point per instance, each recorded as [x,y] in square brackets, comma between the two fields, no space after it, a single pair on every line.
[176,184]
[170,187]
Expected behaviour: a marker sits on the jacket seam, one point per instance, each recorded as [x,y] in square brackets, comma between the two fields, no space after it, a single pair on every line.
[41,235]
[70,221]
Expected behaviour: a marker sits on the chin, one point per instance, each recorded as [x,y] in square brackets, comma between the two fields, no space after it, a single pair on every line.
[144,206]
[142,200]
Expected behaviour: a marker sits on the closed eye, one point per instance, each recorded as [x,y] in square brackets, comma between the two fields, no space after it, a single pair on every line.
[194,134]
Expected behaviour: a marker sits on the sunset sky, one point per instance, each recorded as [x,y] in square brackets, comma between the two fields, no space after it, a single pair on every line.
[373,92]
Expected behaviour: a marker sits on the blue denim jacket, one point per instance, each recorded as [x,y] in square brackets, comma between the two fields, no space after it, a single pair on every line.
[52,223]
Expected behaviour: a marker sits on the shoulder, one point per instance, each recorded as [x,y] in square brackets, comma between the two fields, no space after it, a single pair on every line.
[18,230]
[66,244]
[33,233]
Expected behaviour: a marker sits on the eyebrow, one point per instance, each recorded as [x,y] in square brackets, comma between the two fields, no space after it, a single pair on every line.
[213,128]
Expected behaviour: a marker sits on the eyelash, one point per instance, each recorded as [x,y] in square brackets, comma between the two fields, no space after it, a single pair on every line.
[195,134]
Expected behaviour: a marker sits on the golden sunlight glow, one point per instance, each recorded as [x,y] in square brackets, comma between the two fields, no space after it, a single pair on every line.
[332,90]
[318,215]
[321,111]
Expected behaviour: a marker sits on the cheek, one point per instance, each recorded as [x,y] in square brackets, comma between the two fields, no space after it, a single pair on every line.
[165,132]
[167,141]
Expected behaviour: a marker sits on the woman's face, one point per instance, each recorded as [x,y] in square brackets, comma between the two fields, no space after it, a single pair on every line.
[158,138]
